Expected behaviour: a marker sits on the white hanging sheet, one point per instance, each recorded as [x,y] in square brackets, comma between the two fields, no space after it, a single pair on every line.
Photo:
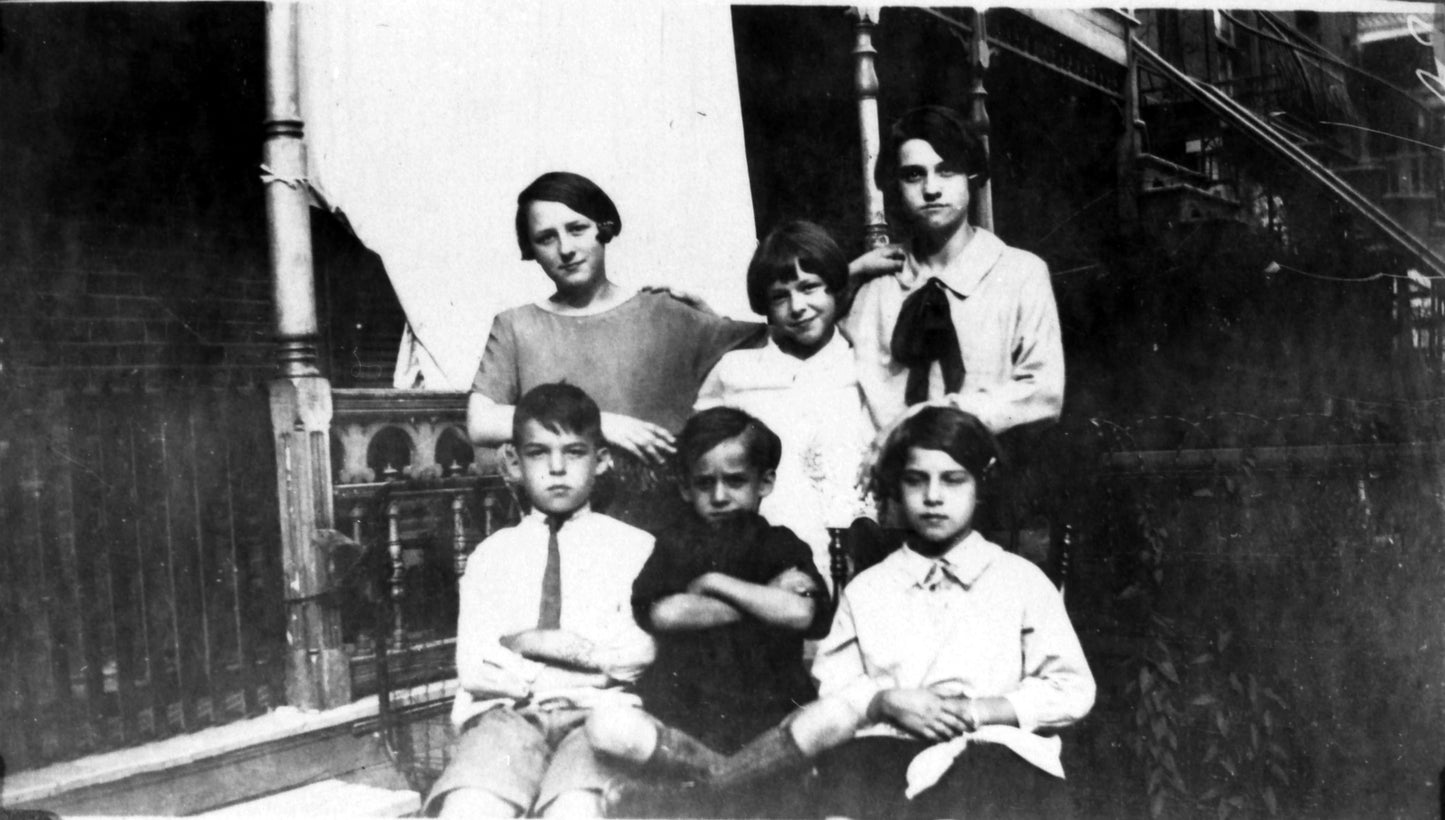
[424,119]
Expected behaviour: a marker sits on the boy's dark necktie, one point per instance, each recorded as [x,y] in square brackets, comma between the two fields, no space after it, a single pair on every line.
[549,613]
[923,335]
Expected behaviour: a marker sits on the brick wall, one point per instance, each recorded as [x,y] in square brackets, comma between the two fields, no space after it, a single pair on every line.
[132,219]
[105,303]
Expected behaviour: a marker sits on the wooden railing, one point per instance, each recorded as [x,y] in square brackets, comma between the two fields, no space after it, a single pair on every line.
[407,482]
[140,583]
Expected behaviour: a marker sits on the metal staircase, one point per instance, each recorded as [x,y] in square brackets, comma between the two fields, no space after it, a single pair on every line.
[1213,110]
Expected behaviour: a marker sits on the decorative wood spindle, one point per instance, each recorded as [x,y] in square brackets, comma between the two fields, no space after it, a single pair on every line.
[865,83]
[459,535]
[489,509]
[398,572]
[1066,553]
[837,560]
[357,513]
[978,112]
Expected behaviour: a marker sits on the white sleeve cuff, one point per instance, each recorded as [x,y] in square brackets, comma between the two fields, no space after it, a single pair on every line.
[1023,710]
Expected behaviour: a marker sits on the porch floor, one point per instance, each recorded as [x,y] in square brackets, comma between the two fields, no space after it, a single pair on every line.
[328,798]
[284,752]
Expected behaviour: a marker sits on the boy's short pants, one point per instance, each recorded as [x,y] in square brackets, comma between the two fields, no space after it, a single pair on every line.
[524,756]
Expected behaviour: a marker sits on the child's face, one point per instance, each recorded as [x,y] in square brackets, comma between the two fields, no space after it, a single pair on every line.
[722,483]
[558,470]
[566,246]
[934,191]
[939,496]
[802,312]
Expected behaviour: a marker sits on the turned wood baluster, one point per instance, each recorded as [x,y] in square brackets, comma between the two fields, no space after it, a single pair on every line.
[978,112]
[356,515]
[459,535]
[865,86]
[398,572]
[837,560]
[489,508]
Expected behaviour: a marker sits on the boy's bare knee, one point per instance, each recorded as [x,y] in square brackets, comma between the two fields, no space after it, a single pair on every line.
[477,803]
[622,732]
[576,803]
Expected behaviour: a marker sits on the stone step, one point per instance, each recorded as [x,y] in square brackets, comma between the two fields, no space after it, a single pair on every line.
[325,798]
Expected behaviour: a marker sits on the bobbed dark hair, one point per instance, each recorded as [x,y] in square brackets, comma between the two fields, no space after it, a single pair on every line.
[576,192]
[561,408]
[955,139]
[713,426]
[812,248]
[961,435]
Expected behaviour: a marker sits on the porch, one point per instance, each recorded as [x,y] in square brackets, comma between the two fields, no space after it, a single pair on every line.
[408,492]
[1250,542]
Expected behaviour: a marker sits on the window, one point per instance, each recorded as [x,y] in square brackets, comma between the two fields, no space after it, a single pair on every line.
[1227,47]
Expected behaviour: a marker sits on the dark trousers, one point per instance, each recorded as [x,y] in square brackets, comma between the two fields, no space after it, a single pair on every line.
[866,777]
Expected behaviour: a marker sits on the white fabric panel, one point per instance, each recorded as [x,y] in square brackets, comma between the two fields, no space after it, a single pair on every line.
[424,119]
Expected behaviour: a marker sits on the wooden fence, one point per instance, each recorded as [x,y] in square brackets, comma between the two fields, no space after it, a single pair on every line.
[140,579]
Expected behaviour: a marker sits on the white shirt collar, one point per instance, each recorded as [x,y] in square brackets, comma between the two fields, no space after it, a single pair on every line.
[837,348]
[966,271]
[538,517]
[966,561]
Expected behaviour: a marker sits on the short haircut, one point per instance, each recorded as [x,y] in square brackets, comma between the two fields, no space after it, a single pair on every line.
[961,435]
[715,425]
[561,408]
[811,248]
[955,139]
[576,192]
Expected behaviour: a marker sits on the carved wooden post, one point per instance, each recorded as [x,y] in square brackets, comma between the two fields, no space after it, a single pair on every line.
[317,670]
[865,82]
[1130,143]
[978,113]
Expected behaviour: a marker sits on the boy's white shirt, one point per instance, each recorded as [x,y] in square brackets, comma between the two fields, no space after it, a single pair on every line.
[501,593]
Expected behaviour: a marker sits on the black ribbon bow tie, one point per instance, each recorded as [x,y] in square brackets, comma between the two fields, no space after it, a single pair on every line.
[924,335]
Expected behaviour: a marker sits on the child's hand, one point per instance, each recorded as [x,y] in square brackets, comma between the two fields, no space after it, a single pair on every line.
[795,581]
[922,713]
[882,261]
[687,297]
[647,441]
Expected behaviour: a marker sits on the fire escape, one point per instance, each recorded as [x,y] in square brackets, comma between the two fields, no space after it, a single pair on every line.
[1229,101]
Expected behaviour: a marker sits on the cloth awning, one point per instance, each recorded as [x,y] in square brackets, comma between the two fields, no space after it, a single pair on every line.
[424,120]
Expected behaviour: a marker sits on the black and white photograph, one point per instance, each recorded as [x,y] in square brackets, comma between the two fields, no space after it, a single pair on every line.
[683,408]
